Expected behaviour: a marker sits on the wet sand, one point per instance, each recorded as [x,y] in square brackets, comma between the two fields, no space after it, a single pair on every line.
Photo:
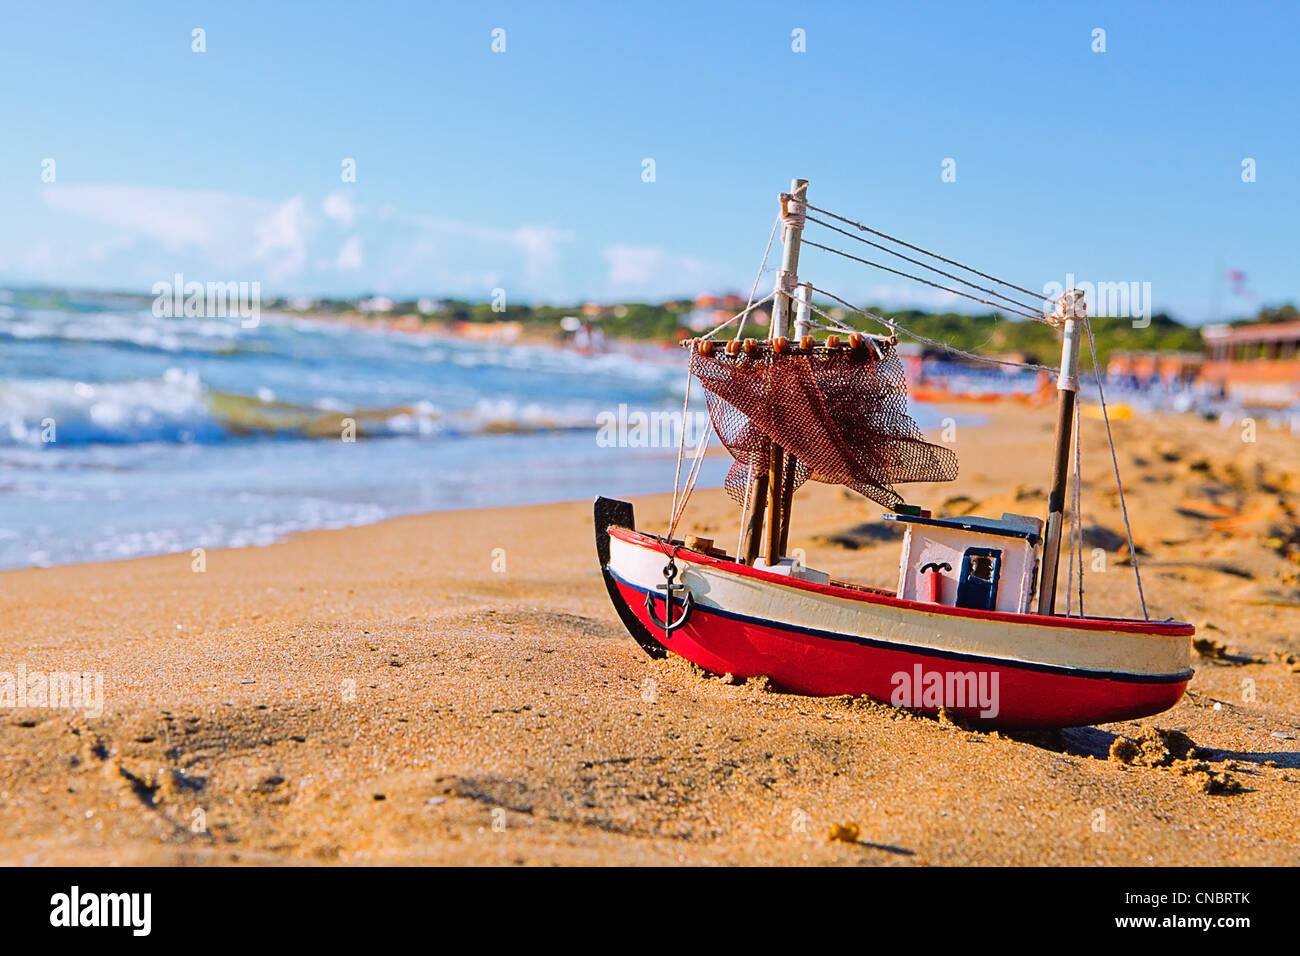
[408,693]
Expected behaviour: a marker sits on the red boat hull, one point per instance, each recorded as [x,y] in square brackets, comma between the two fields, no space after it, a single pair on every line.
[826,667]
[990,690]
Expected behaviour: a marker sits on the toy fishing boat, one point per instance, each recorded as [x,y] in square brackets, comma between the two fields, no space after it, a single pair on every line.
[971,627]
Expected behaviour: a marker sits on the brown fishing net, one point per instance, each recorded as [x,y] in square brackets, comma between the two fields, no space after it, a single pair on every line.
[841,413]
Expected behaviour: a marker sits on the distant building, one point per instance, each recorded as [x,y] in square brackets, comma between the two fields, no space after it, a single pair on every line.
[1257,364]
[376,303]
[1145,368]
[727,303]
[500,332]
[703,319]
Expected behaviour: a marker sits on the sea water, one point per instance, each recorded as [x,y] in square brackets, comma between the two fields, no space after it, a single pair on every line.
[124,434]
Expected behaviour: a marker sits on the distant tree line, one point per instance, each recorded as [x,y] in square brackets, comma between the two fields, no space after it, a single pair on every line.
[988,333]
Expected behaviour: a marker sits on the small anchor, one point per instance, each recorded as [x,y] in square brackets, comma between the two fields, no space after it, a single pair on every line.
[670,589]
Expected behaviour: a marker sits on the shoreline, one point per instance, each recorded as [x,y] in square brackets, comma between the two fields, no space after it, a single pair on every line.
[623,472]
[455,687]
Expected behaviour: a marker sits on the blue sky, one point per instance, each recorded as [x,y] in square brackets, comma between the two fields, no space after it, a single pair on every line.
[523,169]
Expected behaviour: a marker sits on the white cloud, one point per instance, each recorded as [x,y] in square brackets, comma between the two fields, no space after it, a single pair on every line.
[338,207]
[462,258]
[231,232]
[349,258]
[47,259]
[654,270]
[282,239]
[174,216]
[634,265]
[539,245]
[122,236]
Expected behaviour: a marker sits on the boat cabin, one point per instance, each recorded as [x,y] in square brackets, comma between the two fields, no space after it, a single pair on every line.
[986,564]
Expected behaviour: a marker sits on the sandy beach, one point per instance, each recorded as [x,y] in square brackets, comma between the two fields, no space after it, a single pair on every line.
[455,688]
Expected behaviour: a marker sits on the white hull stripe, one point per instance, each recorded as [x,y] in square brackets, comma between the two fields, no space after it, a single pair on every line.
[1064,670]
[1063,648]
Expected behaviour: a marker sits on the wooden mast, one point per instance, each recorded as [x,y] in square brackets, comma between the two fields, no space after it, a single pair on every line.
[767,491]
[752,519]
[802,329]
[1067,385]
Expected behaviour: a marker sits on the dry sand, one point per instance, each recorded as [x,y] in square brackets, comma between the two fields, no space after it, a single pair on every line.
[387,695]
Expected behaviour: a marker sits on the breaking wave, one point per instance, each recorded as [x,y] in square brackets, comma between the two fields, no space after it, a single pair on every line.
[177,407]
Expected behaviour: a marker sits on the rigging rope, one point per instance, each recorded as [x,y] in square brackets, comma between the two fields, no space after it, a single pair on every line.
[795,211]
[1128,530]
[1076,525]
[762,267]
[794,215]
[918,262]
[739,315]
[932,255]
[836,325]
[744,510]
[907,275]
[681,451]
[921,338]
[1076,533]
[679,504]
[691,478]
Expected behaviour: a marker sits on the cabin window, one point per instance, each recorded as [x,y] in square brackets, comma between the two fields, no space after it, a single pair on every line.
[977,586]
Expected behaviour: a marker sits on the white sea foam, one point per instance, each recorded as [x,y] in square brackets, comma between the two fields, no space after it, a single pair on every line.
[177,407]
[174,434]
[170,408]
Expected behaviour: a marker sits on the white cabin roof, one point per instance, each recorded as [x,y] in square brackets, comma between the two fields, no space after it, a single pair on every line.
[1009,525]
